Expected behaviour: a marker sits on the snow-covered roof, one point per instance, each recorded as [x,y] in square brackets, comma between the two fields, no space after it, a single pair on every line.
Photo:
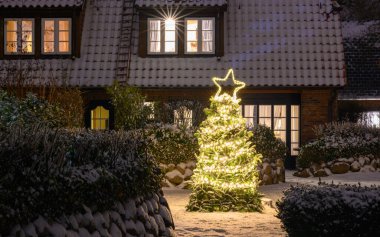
[198,3]
[267,42]
[41,3]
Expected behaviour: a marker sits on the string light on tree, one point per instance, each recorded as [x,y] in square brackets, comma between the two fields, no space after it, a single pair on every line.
[226,177]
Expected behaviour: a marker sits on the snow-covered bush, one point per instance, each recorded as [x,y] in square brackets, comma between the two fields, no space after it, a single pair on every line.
[330,210]
[52,172]
[170,144]
[26,111]
[267,144]
[340,140]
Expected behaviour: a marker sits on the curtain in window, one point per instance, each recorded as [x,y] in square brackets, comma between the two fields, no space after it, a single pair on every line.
[155,36]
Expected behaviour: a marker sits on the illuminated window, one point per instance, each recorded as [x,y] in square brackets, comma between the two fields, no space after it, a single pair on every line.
[295,130]
[100,118]
[183,117]
[56,36]
[162,36]
[200,36]
[19,36]
[250,115]
[371,118]
[265,115]
[150,107]
[279,121]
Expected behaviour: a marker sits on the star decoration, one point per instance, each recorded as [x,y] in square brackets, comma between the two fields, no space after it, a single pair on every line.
[239,84]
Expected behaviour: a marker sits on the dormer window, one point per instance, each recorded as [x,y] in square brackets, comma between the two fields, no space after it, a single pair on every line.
[162,37]
[19,36]
[200,34]
[56,36]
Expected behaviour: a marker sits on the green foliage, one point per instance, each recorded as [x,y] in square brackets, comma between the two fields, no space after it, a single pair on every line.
[330,210]
[267,144]
[51,172]
[29,110]
[226,176]
[170,144]
[130,112]
[340,140]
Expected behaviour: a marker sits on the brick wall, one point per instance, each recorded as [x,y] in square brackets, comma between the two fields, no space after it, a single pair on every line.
[317,107]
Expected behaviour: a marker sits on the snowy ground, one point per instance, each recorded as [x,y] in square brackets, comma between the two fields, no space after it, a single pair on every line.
[247,224]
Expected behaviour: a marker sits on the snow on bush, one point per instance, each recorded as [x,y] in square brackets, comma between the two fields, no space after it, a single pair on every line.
[170,144]
[340,140]
[52,172]
[330,210]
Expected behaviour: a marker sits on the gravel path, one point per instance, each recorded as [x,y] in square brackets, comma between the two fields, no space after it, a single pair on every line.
[237,224]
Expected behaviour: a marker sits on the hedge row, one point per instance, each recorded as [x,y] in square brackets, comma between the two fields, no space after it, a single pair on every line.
[52,172]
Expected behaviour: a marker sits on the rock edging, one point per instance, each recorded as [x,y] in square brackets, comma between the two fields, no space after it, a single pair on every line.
[142,216]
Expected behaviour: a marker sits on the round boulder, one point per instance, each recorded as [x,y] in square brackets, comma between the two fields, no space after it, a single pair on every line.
[340,168]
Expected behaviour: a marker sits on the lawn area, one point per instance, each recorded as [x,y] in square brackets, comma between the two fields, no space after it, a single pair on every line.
[247,224]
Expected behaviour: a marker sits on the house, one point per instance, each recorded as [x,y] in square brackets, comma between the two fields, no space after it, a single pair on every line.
[289,53]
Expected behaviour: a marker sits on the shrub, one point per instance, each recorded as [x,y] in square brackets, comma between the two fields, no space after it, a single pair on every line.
[340,140]
[330,210]
[130,112]
[171,144]
[52,172]
[267,144]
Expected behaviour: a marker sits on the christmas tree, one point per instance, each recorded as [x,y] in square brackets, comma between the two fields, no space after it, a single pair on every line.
[226,177]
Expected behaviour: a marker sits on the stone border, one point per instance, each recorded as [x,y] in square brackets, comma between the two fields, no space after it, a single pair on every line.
[143,216]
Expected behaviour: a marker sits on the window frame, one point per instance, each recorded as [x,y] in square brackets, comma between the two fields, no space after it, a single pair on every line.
[56,36]
[100,119]
[162,37]
[199,34]
[19,41]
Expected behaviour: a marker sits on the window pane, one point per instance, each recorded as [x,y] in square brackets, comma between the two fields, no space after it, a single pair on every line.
[192,36]
[281,135]
[99,118]
[280,111]
[280,123]
[249,122]
[49,36]
[64,25]
[170,24]
[295,137]
[248,110]
[27,25]
[183,117]
[192,25]
[11,25]
[169,35]
[207,25]
[295,110]
[155,47]
[207,36]
[295,123]
[11,36]
[64,36]
[27,47]
[294,150]
[155,35]
[207,47]
[154,25]
[27,36]
[169,47]
[64,47]
[265,121]
[49,25]
[265,111]
[48,47]
[192,47]
[11,47]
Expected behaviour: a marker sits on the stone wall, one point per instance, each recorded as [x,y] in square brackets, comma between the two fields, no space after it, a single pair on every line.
[341,166]
[143,216]
[179,175]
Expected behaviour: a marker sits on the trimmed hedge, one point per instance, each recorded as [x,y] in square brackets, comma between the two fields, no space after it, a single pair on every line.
[52,172]
[340,140]
[330,210]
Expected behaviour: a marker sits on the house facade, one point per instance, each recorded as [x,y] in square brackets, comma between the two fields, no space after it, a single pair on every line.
[289,53]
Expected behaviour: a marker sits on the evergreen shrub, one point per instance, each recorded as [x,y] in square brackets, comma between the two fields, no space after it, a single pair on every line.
[330,210]
[52,172]
[340,140]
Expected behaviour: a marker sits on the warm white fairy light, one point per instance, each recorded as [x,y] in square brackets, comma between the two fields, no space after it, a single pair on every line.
[239,84]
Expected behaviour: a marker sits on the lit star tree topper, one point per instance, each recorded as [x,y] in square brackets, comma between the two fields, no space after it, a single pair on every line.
[226,176]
